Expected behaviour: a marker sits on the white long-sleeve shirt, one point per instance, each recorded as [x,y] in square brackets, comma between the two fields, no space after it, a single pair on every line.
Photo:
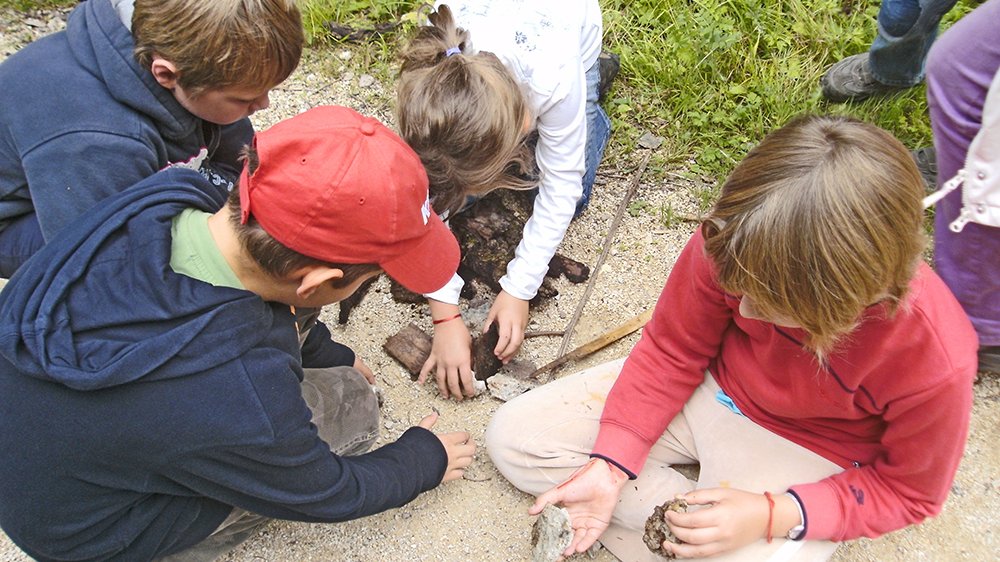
[548,45]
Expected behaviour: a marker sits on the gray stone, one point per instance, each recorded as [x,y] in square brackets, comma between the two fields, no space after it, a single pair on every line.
[551,535]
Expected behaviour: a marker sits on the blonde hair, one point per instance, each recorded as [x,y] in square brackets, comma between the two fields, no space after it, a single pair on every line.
[221,43]
[463,114]
[821,220]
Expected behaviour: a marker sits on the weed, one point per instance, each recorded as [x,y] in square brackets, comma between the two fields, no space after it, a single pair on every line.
[668,217]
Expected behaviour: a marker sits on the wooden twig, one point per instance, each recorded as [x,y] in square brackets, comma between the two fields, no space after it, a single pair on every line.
[604,253]
[597,343]
[542,333]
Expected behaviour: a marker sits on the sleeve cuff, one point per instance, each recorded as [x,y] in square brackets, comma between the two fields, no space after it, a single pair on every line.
[822,520]
[450,293]
[627,472]
[621,447]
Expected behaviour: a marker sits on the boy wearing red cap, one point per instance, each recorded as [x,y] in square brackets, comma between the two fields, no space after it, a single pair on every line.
[150,374]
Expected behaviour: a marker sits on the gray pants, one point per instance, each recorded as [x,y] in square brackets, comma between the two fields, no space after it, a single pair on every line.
[345,412]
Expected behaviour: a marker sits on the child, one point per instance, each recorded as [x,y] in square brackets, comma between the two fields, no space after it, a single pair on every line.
[963,97]
[801,352]
[89,111]
[473,85]
[152,400]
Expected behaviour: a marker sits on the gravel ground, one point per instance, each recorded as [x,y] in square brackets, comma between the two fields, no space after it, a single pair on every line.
[483,517]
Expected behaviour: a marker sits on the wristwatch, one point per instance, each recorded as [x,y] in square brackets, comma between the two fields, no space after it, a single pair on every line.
[795,533]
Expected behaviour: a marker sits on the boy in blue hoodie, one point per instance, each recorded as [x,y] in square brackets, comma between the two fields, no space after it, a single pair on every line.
[122,93]
[152,398]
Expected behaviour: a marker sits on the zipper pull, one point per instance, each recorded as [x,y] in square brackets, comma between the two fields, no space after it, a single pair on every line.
[948,187]
[963,219]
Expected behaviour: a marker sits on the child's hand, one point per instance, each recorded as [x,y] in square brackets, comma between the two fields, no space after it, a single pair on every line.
[590,496]
[511,315]
[460,449]
[733,519]
[451,360]
[364,369]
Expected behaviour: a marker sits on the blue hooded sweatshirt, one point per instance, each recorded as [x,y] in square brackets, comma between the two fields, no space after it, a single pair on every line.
[138,405]
[81,120]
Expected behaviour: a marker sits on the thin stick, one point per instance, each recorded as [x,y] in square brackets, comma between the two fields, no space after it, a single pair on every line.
[597,343]
[604,253]
[542,333]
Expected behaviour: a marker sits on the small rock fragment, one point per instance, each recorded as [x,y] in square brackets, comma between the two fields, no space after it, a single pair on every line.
[657,530]
[551,535]
[506,388]
[649,140]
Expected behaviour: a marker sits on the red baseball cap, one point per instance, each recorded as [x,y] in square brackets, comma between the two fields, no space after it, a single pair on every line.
[343,188]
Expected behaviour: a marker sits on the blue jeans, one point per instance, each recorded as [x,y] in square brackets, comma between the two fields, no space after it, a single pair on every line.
[598,133]
[18,242]
[906,29]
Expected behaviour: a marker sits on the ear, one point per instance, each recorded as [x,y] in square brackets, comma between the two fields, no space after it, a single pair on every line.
[164,72]
[311,277]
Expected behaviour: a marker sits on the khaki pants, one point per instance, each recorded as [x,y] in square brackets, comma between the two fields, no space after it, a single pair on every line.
[538,439]
[345,412]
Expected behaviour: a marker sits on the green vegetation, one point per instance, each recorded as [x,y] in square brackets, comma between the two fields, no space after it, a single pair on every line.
[710,76]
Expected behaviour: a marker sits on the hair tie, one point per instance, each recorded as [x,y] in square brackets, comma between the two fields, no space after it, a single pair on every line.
[453,51]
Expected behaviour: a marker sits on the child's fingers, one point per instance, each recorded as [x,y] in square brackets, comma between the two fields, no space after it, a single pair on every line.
[441,377]
[429,420]
[454,384]
[426,369]
[466,376]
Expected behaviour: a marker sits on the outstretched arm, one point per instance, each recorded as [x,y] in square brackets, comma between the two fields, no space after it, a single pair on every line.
[590,496]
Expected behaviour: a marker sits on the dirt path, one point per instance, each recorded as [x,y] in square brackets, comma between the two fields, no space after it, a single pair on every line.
[483,517]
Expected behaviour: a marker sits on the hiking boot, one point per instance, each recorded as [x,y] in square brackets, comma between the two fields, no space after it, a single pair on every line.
[989,359]
[926,159]
[608,66]
[851,79]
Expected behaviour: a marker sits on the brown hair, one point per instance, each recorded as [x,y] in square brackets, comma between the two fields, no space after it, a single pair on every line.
[819,221]
[222,43]
[273,257]
[464,115]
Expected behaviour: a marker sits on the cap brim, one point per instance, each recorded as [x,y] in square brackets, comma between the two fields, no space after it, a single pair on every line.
[430,263]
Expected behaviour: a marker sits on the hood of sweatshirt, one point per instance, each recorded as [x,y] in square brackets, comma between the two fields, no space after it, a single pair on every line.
[100,306]
[103,45]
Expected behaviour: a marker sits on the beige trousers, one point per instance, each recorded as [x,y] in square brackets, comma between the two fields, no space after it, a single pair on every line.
[538,439]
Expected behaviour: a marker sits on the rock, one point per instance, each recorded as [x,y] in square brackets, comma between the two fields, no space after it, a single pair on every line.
[649,140]
[551,535]
[657,530]
[505,387]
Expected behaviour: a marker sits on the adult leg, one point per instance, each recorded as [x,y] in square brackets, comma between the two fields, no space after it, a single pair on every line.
[18,242]
[961,66]
[895,61]
[906,30]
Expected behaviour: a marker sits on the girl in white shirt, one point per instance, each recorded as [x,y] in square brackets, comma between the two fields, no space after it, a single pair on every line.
[474,84]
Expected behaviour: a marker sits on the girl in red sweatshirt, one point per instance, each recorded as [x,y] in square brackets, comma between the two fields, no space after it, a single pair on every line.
[801,353]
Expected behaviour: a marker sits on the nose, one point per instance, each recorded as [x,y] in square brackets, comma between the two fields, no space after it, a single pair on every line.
[263,102]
